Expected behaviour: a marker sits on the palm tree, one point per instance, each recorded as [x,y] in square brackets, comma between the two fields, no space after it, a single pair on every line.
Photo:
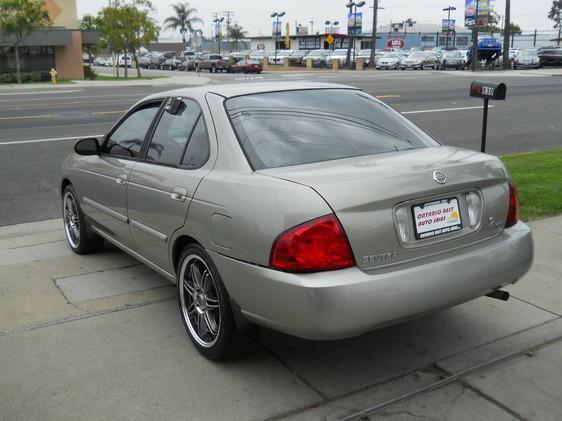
[236,33]
[184,19]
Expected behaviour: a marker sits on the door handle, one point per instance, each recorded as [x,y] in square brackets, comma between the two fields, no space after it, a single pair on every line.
[122,179]
[179,194]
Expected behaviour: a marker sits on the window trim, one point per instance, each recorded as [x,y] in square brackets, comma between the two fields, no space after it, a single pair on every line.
[133,110]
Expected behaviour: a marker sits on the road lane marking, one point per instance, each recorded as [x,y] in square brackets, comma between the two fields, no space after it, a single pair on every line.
[109,112]
[19,142]
[26,117]
[441,110]
[39,92]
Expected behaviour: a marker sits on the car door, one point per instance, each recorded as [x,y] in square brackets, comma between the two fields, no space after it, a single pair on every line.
[164,181]
[102,180]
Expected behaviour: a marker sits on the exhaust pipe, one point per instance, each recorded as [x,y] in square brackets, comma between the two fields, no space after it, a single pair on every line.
[498,294]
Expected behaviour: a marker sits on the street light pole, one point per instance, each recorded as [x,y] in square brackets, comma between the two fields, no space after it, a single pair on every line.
[277,15]
[218,31]
[448,9]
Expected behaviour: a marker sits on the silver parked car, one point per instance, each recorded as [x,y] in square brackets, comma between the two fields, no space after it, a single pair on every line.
[452,59]
[268,206]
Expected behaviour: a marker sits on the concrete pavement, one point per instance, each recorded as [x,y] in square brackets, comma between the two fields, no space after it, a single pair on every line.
[99,337]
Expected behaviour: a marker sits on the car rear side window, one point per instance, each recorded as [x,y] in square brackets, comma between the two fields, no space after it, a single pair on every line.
[297,127]
[127,139]
[197,151]
[169,139]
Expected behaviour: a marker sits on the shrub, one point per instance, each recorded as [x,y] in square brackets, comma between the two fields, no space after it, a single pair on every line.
[89,72]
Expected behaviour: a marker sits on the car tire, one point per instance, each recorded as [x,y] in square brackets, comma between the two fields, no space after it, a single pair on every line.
[205,308]
[77,233]
[214,69]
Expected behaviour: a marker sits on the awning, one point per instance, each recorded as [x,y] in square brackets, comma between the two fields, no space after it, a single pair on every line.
[43,38]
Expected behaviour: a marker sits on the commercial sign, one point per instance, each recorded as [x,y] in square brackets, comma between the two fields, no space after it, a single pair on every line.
[396,43]
[354,23]
[309,43]
[448,25]
[484,10]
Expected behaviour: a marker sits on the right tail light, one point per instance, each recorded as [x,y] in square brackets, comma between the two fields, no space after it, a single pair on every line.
[513,212]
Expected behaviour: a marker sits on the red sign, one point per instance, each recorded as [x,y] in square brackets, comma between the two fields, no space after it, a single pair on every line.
[397,43]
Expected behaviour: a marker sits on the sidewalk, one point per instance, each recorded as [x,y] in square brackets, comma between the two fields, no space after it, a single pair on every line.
[99,337]
[173,79]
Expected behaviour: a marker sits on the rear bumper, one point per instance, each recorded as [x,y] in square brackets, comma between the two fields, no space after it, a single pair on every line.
[349,302]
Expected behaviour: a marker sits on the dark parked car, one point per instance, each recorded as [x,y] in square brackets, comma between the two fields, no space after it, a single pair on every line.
[171,64]
[247,66]
[551,57]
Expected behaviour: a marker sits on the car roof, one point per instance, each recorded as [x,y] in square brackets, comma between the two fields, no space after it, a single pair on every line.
[238,89]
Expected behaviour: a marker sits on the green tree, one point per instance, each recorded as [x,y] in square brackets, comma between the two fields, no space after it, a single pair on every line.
[236,33]
[184,19]
[18,19]
[555,15]
[88,23]
[127,26]
[514,29]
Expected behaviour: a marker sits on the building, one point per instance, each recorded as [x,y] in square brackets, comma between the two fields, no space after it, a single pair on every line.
[59,47]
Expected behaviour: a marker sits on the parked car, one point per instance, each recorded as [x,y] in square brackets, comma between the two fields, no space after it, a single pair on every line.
[158,60]
[417,60]
[338,54]
[365,55]
[527,60]
[245,196]
[281,54]
[298,58]
[188,64]
[389,61]
[452,59]
[319,57]
[247,66]
[171,64]
[551,57]
[213,63]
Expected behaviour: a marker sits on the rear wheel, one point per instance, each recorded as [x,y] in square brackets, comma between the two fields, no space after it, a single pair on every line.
[80,240]
[205,308]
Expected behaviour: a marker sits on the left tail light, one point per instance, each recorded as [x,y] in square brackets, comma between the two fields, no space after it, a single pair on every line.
[513,212]
[317,245]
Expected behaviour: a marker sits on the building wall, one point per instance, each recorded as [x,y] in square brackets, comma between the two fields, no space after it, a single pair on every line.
[68,59]
[62,13]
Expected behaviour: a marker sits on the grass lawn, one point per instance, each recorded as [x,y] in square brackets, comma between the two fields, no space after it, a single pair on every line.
[538,176]
[122,78]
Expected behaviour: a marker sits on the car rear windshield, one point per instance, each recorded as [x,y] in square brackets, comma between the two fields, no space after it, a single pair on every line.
[297,127]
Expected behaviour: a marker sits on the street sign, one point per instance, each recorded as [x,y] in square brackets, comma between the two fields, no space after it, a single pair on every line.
[330,39]
[397,43]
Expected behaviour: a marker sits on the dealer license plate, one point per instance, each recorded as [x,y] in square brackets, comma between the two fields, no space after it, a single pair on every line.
[436,218]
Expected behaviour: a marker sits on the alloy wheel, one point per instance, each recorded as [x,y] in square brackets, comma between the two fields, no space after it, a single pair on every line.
[199,301]
[71,220]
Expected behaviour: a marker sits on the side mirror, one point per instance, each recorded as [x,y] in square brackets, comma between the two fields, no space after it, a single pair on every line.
[87,147]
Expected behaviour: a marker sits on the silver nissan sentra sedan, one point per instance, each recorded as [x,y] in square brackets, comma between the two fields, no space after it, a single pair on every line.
[312,209]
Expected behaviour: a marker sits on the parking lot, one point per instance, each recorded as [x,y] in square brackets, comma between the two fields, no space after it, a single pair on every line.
[96,337]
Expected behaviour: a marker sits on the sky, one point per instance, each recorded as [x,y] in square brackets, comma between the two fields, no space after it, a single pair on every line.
[254,15]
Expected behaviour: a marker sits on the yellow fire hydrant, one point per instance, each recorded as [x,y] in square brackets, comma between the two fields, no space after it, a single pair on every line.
[53,74]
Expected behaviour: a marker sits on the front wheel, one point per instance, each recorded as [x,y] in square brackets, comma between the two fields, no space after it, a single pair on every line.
[80,240]
[205,308]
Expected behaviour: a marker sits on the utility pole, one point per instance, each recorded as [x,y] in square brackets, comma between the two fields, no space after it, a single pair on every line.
[506,29]
[374,34]
[228,15]
[474,52]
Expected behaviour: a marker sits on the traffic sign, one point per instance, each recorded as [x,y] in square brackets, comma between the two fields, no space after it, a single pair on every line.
[330,39]
[397,43]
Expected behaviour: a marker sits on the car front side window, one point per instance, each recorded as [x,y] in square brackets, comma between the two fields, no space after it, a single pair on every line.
[126,141]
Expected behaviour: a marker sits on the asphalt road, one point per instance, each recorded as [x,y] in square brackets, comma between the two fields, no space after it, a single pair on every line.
[437,101]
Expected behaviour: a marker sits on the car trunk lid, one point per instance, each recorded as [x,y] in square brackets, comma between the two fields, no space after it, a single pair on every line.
[366,193]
